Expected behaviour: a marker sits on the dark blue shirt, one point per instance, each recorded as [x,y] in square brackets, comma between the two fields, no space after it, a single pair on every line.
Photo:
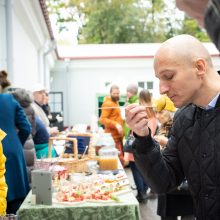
[42,135]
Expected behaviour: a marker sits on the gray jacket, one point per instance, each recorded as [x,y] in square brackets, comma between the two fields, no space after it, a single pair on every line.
[25,100]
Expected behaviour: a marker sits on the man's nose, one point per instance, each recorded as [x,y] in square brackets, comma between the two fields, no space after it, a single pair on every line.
[164,88]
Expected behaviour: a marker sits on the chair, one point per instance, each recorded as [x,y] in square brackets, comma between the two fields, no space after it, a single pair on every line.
[83,140]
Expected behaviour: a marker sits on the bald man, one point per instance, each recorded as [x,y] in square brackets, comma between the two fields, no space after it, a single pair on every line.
[207,13]
[186,74]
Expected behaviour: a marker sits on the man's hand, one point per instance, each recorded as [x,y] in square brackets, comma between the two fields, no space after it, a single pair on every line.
[194,9]
[136,118]
[53,130]
[119,128]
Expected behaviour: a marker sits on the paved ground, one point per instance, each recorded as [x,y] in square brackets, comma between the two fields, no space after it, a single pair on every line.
[148,210]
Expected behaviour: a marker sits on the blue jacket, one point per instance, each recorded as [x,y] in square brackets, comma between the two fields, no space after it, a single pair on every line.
[14,123]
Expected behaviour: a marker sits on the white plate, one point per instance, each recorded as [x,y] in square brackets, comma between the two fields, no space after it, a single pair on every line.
[121,192]
[55,201]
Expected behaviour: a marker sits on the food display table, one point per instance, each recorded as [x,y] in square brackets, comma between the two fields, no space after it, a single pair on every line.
[127,208]
[98,188]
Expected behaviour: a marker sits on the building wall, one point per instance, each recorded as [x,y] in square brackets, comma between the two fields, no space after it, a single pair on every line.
[2,35]
[82,81]
[25,58]
[27,42]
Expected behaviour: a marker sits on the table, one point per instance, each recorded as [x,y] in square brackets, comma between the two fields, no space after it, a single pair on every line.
[127,209]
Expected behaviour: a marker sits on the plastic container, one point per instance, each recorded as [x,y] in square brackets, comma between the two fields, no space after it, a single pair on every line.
[108,158]
[103,140]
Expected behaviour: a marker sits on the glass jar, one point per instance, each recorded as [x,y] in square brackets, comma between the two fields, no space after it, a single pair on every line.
[108,158]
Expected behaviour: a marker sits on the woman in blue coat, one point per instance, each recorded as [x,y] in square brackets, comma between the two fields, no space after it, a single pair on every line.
[14,123]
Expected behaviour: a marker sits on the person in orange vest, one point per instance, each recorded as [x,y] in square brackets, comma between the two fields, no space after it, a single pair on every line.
[111,119]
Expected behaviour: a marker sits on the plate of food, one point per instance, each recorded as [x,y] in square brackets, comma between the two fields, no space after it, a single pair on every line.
[67,199]
[55,201]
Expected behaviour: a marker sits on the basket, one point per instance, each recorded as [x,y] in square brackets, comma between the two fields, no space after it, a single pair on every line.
[74,164]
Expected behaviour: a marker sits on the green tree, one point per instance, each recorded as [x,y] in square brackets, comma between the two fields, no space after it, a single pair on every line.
[63,12]
[127,21]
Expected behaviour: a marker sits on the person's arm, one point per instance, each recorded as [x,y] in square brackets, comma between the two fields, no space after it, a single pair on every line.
[194,9]
[3,185]
[212,21]
[21,123]
[163,172]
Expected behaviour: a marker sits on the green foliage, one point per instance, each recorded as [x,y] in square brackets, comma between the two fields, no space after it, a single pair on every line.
[127,21]
[191,27]
[63,12]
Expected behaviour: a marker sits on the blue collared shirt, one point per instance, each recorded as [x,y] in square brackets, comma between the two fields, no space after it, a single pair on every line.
[212,103]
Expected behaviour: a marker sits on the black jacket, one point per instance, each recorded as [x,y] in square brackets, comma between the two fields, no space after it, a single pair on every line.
[193,151]
[177,202]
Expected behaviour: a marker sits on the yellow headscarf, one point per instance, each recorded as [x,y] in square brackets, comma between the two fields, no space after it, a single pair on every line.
[164,103]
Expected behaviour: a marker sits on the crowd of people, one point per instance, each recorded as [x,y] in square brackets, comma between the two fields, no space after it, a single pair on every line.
[160,113]
[183,155]
[27,129]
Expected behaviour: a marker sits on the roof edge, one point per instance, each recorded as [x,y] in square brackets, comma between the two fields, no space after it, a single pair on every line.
[48,23]
[113,57]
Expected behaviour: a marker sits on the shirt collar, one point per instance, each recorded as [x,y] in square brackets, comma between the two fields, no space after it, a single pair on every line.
[212,103]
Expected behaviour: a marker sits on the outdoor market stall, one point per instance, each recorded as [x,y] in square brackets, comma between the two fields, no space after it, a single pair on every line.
[93,193]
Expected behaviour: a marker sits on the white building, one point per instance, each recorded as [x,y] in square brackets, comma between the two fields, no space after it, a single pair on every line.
[25,43]
[82,73]
[85,71]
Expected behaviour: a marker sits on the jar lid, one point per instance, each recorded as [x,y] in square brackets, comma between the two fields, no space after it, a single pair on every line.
[108,151]
[105,139]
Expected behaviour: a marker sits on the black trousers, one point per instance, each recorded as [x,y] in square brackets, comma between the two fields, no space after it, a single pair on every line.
[13,206]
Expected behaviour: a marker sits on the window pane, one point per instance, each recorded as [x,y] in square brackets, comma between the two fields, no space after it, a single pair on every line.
[141,84]
[57,98]
[57,107]
[150,85]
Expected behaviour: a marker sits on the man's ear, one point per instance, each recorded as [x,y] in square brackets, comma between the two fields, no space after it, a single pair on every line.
[201,66]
